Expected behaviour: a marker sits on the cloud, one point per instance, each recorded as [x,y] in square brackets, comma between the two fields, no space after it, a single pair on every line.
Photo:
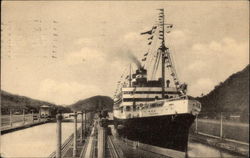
[132,36]
[134,41]
[197,66]
[85,42]
[202,85]
[62,92]
[178,35]
[85,55]
[227,47]
[226,55]
[215,46]
[198,47]
[213,62]
[178,38]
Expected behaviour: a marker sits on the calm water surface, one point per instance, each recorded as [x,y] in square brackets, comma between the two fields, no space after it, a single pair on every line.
[37,141]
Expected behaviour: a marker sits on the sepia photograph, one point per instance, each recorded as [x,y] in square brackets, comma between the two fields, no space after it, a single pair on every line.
[124,79]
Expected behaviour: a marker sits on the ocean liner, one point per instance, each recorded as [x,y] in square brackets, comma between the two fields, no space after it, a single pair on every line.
[155,111]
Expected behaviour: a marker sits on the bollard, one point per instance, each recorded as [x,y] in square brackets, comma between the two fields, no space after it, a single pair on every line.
[221,127]
[59,135]
[39,116]
[82,132]
[75,135]
[10,118]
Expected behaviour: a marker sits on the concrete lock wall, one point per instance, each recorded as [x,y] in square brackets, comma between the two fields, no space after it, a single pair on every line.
[230,130]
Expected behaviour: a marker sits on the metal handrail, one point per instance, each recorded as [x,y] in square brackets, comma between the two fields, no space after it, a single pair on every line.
[65,145]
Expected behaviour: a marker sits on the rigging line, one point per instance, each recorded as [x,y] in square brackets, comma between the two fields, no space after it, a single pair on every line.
[152,57]
[144,63]
[156,64]
[150,51]
[123,79]
[154,67]
[156,58]
[173,71]
[155,43]
[154,70]
[172,64]
[173,61]
[152,54]
[119,81]
[152,73]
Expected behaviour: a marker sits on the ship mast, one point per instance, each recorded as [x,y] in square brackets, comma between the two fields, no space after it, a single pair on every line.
[166,59]
[162,49]
[130,79]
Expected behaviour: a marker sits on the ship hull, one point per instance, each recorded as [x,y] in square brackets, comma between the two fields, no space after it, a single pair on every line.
[168,131]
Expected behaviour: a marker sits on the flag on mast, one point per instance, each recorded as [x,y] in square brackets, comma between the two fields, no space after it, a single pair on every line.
[161,9]
[150,32]
[169,26]
[147,32]
[150,38]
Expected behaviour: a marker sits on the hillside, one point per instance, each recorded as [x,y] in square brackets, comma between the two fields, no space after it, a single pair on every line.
[230,96]
[95,103]
[18,103]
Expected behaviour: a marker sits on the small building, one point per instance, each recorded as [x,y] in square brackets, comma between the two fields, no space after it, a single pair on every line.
[45,111]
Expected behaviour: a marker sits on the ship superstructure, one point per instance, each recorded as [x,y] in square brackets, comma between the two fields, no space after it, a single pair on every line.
[155,111]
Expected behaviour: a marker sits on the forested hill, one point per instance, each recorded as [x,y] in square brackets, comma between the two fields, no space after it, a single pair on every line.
[230,96]
[17,103]
[95,104]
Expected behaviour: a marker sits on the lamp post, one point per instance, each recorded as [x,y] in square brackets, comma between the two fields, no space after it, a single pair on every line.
[221,125]
[82,132]
[10,118]
[75,135]
[32,115]
[23,116]
[59,135]
[85,120]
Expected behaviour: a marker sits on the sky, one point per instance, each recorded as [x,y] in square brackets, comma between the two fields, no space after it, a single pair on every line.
[63,51]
